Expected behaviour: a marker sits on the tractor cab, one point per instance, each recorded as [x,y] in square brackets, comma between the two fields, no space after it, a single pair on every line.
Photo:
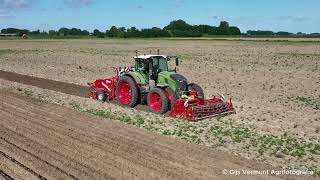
[152,65]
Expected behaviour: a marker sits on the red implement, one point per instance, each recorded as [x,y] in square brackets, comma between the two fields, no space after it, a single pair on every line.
[195,109]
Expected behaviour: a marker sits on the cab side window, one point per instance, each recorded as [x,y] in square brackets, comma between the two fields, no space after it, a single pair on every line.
[155,64]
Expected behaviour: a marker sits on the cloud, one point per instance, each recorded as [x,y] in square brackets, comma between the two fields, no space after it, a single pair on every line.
[43,9]
[255,19]
[8,7]
[218,18]
[11,5]
[177,3]
[295,18]
[78,3]
[173,5]
[214,17]
[140,7]
[4,16]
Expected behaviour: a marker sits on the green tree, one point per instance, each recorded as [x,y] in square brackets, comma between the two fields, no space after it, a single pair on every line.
[85,33]
[63,31]
[100,35]
[283,33]
[36,32]
[178,25]
[121,32]
[133,32]
[224,25]
[96,32]
[75,32]
[180,28]
[234,30]
[52,32]
[113,32]
[264,33]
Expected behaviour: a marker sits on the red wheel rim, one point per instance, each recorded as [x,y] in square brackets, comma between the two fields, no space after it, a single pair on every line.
[168,94]
[155,102]
[124,92]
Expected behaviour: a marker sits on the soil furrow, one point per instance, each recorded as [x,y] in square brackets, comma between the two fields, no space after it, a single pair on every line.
[13,169]
[33,160]
[5,175]
[21,165]
[102,142]
[63,142]
[99,128]
[65,156]
[38,158]
[146,159]
[63,87]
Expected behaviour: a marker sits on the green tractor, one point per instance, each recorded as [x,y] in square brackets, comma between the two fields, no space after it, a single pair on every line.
[151,82]
[159,86]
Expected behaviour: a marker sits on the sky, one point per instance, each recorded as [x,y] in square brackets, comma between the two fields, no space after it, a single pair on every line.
[276,15]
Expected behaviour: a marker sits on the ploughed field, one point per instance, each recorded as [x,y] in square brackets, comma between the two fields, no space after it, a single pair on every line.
[274,86]
[45,141]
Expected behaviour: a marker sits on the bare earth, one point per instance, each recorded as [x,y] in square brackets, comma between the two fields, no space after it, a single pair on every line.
[274,86]
[260,76]
[41,140]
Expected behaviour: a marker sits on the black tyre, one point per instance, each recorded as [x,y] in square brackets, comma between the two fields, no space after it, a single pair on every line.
[158,101]
[172,97]
[127,91]
[197,88]
[101,96]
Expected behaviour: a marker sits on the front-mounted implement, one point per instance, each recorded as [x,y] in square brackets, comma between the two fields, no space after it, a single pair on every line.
[151,82]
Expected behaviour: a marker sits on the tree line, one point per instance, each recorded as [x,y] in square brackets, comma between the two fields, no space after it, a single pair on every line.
[280,33]
[178,28]
[62,32]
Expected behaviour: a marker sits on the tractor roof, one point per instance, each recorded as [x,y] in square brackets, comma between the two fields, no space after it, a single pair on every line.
[148,56]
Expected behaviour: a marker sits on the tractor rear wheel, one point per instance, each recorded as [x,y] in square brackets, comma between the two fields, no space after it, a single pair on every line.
[196,87]
[158,101]
[127,91]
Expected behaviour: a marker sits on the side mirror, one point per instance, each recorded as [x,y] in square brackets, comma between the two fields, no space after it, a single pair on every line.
[177,61]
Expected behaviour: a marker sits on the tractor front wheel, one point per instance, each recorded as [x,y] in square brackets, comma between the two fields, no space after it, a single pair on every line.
[127,91]
[158,101]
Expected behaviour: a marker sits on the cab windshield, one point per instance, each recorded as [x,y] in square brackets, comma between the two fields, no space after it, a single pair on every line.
[160,63]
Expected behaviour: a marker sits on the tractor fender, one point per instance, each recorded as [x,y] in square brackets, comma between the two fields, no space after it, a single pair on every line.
[137,77]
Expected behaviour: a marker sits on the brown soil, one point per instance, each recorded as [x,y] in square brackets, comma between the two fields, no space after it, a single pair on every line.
[41,140]
[68,88]
[63,87]
[260,76]
[263,78]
